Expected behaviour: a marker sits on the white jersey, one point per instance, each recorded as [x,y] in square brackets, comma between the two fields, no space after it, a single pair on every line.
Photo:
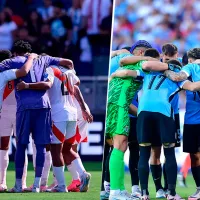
[6,92]
[79,111]
[62,103]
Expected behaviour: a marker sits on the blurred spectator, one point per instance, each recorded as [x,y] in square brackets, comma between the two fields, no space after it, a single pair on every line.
[7,27]
[46,11]
[55,27]
[157,21]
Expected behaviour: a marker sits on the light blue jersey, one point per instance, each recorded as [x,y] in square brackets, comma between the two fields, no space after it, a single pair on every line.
[158,91]
[114,65]
[192,114]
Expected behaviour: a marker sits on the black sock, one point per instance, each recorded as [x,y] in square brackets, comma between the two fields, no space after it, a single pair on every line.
[105,155]
[171,169]
[165,178]
[196,175]
[143,168]
[107,171]
[133,162]
[156,171]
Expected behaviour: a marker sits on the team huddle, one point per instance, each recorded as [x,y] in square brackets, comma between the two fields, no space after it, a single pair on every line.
[143,114]
[49,107]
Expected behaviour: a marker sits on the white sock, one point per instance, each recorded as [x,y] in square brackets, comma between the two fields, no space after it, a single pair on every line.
[135,188]
[106,186]
[59,174]
[114,192]
[78,165]
[55,180]
[37,181]
[46,169]
[25,171]
[34,154]
[73,172]
[4,160]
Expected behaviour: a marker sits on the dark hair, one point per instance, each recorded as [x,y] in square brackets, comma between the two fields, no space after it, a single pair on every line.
[21,47]
[152,53]
[58,4]
[169,49]
[185,59]
[194,53]
[127,48]
[5,54]
[174,62]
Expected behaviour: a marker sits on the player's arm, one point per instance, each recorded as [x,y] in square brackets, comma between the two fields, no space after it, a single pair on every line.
[133,110]
[176,76]
[43,85]
[24,70]
[118,52]
[134,59]
[86,115]
[191,86]
[124,74]
[154,66]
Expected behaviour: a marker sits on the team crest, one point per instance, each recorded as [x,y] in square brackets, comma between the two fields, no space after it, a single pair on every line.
[127,129]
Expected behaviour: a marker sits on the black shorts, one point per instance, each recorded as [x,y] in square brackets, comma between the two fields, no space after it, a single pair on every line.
[155,128]
[132,133]
[191,138]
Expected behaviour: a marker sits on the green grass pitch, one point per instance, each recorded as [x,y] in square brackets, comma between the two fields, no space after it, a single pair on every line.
[92,194]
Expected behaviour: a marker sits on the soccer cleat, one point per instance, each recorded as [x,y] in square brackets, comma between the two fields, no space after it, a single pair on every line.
[136,192]
[3,188]
[85,182]
[104,195]
[166,193]
[43,188]
[15,190]
[74,186]
[28,189]
[35,189]
[61,189]
[123,195]
[52,186]
[145,197]
[195,196]
[181,180]
[176,197]
[107,186]
[160,194]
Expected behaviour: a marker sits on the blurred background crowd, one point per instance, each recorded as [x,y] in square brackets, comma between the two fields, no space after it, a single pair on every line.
[158,22]
[75,29]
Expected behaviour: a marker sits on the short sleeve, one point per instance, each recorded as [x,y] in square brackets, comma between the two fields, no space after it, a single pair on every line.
[9,75]
[181,83]
[49,75]
[187,69]
[6,65]
[140,74]
[52,60]
[72,78]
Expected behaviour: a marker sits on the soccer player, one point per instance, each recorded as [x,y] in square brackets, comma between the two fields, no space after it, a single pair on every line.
[169,52]
[120,95]
[31,105]
[191,137]
[155,122]
[8,105]
[64,116]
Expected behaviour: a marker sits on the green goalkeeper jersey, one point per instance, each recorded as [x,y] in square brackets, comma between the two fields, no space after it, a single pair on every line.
[122,90]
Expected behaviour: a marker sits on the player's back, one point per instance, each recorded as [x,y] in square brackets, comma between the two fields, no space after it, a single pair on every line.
[62,102]
[157,93]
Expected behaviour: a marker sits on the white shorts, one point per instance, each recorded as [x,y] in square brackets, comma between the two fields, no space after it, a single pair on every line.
[64,131]
[7,122]
[81,131]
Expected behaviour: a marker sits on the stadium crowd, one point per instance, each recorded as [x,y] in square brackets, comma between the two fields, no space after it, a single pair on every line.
[58,28]
[157,21]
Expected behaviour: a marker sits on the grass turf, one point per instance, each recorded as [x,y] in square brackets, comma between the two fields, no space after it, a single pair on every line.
[93,194]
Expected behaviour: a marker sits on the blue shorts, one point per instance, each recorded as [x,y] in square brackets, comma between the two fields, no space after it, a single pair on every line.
[35,121]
